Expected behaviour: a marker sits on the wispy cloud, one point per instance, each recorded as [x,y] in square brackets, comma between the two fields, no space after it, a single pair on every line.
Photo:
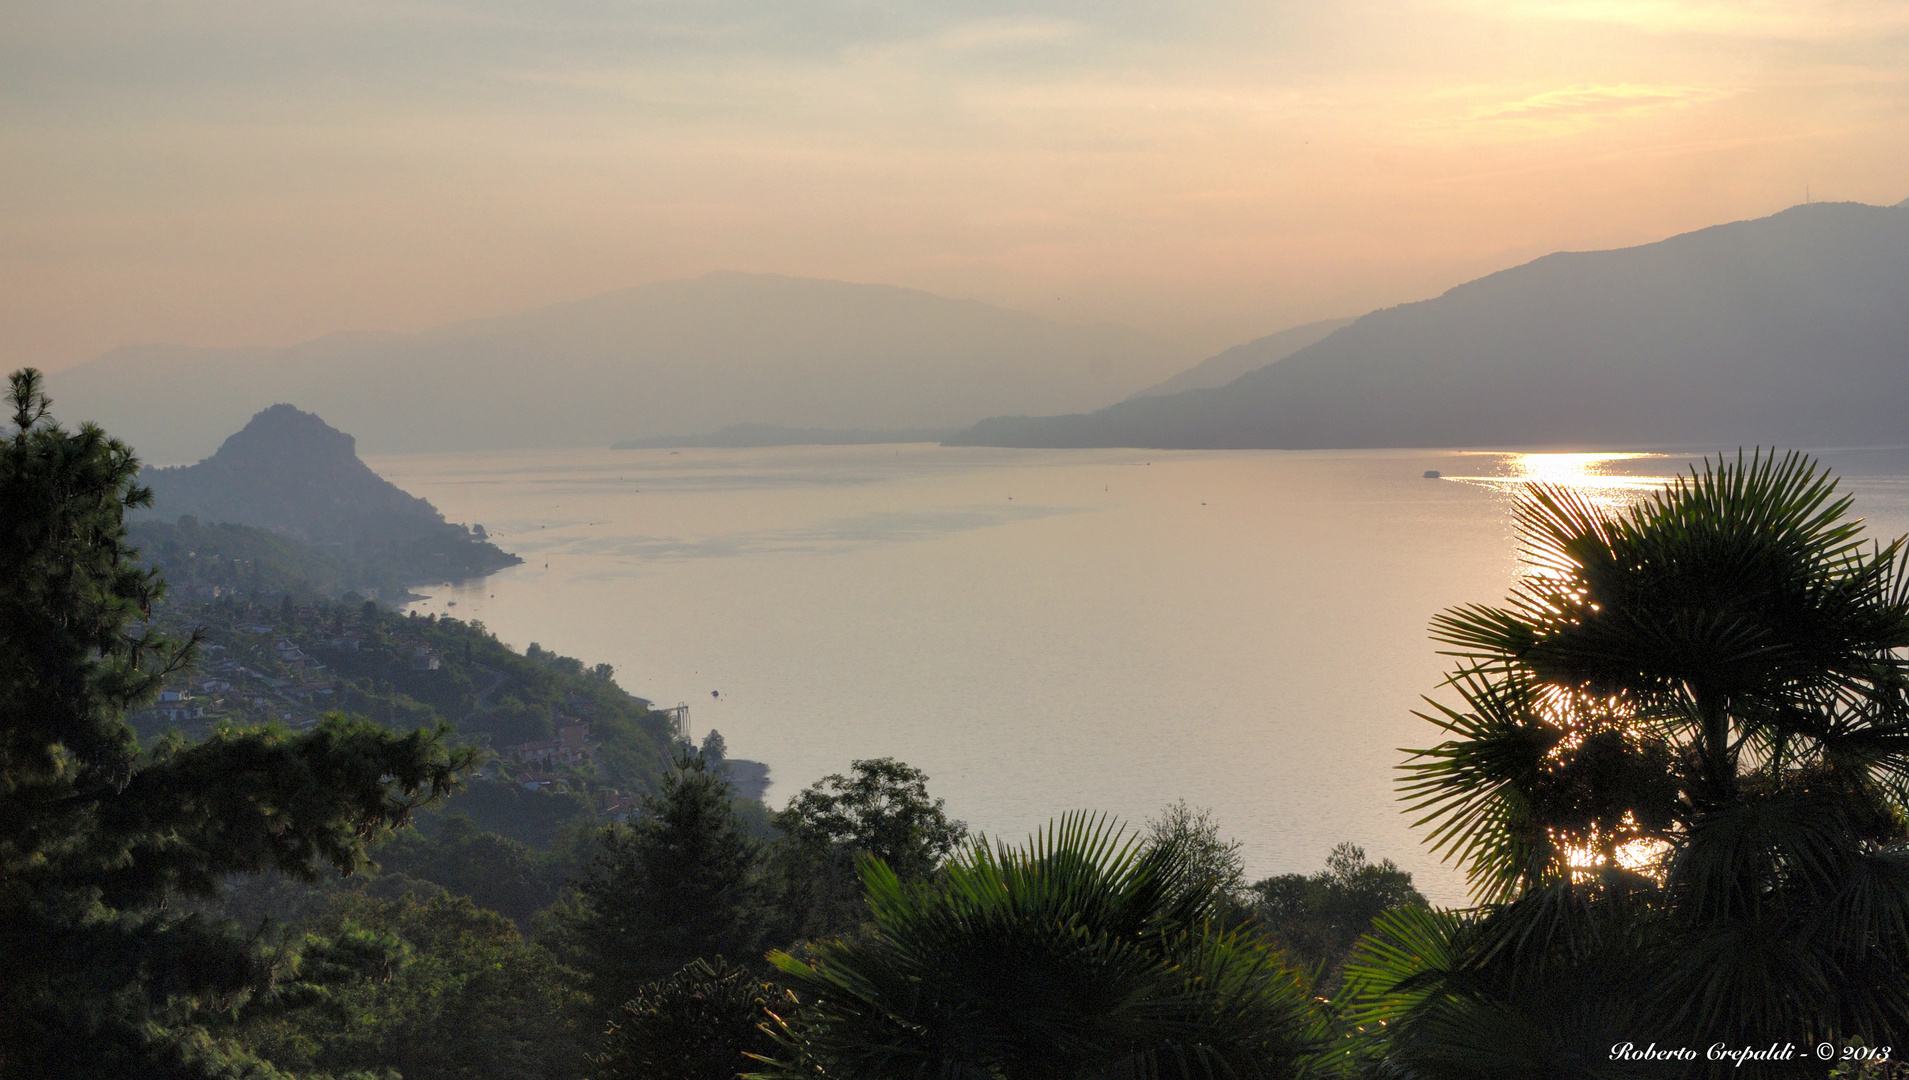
[1571,109]
[237,171]
[1798,19]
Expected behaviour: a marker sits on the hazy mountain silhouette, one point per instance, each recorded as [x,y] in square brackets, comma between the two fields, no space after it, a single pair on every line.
[1223,368]
[747,435]
[1790,329]
[656,360]
[292,473]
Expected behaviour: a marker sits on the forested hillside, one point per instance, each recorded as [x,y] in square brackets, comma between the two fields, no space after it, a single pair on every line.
[270,834]
[203,561]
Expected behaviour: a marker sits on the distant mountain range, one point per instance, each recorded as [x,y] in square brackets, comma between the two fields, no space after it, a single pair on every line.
[1223,368]
[291,473]
[746,435]
[653,361]
[1791,329]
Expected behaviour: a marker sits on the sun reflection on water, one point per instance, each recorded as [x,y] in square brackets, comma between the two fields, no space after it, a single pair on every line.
[1602,478]
[1578,470]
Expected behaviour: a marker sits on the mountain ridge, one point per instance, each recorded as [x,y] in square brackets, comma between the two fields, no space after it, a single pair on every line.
[743,436]
[694,354]
[1229,364]
[1791,328]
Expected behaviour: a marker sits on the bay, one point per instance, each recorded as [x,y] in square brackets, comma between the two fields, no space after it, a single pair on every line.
[1041,631]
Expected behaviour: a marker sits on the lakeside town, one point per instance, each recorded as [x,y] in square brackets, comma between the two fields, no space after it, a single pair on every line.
[540,718]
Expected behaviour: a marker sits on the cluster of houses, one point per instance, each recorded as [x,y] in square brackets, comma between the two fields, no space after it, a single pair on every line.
[535,764]
[227,687]
[234,682]
[619,807]
[177,707]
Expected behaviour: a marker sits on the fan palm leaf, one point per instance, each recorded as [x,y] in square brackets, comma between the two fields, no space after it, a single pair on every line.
[1422,1005]
[1085,953]
[1677,779]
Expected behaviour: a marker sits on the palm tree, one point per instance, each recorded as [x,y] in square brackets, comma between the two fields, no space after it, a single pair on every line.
[1086,953]
[1677,779]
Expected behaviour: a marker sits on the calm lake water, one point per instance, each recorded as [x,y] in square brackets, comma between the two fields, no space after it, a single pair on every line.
[1040,631]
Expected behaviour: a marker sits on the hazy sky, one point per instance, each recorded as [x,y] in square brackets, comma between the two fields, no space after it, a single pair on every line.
[265,171]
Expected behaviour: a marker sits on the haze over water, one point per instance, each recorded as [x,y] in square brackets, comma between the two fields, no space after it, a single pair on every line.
[1040,631]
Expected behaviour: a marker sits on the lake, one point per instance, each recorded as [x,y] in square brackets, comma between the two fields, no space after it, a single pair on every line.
[1040,631]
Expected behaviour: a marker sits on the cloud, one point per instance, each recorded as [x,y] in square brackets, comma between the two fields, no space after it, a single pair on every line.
[1788,19]
[264,171]
[1572,109]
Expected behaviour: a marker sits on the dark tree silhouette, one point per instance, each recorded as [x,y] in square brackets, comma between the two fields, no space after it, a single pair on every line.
[882,809]
[102,977]
[1677,780]
[676,884]
[1317,919]
[1084,954]
[698,1024]
[715,748]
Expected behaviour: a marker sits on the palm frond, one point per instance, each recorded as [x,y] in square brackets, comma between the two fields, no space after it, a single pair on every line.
[1720,673]
[1740,860]
[1473,789]
[1083,952]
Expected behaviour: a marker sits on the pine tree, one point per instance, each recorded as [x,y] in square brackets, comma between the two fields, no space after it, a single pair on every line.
[676,885]
[103,977]
[715,748]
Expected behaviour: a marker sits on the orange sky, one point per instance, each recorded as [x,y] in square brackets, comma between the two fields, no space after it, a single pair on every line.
[266,171]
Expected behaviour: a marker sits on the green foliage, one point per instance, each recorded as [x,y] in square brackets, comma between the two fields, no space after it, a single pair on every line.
[72,654]
[103,979]
[463,677]
[434,987]
[675,885]
[1084,954]
[495,872]
[491,693]
[542,820]
[198,559]
[1677,778]
[1456,1017]
[881,810]
[695,1025]
[1733,628]
[1214,858]
[1317,919]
